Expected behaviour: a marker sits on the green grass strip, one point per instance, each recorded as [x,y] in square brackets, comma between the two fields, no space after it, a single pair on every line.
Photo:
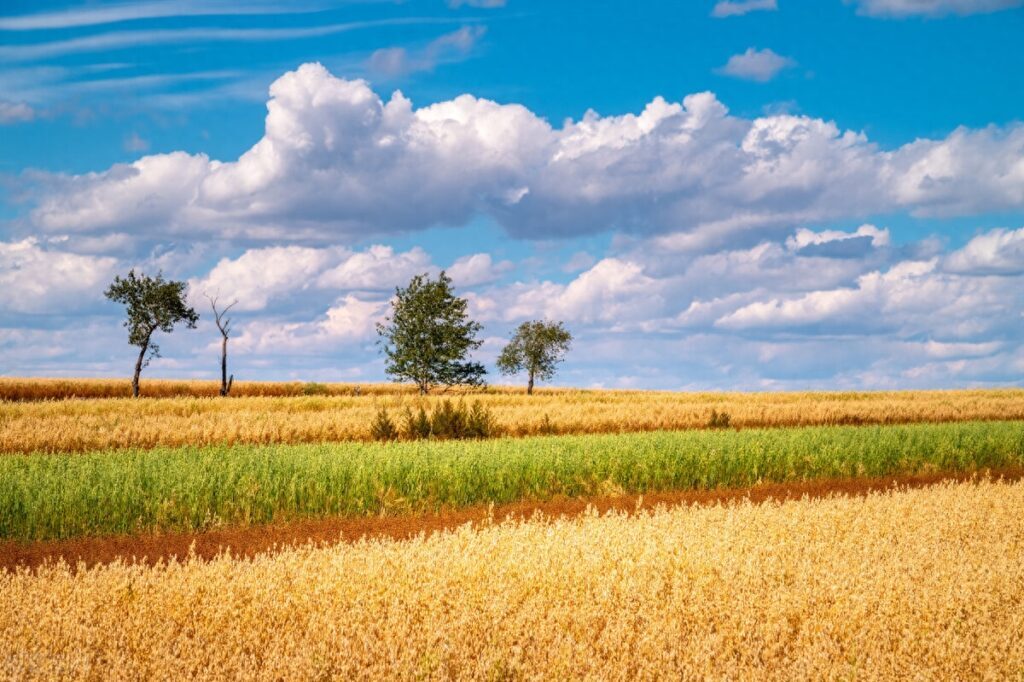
[61,496]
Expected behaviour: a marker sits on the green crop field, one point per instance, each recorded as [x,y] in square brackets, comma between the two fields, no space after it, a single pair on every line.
[46,496]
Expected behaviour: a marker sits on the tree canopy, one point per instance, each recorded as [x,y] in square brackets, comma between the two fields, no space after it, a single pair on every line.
[428,337]
[536,348]
[152,304]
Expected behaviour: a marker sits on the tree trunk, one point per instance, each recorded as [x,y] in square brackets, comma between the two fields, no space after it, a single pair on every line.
[225,387]
[529,385]
[138,368]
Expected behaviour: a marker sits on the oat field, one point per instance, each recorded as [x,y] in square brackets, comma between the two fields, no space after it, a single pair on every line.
[59,424]
[925,584]
[907,562]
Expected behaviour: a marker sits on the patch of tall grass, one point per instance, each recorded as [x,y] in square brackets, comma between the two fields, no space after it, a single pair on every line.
[58,496]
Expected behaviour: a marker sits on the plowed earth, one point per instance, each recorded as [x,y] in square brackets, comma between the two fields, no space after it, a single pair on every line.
[248,541]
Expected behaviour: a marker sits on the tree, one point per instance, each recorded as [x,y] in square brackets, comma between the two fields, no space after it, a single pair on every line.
[153,304]
[224,327]
[536,348]
[428,337]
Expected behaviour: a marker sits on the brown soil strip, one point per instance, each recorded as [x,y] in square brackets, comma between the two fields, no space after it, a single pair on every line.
[251,540]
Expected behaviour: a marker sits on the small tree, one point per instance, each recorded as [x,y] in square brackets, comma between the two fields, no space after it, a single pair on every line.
[536,348]
[152,304]
[428,337]
[224,327]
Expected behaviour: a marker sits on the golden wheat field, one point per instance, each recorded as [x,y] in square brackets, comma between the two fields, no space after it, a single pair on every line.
[95,424]
[922,584]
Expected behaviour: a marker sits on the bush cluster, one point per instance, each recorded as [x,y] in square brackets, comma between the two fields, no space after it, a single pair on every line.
[447,421]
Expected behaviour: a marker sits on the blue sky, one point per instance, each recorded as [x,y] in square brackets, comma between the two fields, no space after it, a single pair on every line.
[755,194]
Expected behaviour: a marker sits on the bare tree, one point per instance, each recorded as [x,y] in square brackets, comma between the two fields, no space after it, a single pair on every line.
[224,326]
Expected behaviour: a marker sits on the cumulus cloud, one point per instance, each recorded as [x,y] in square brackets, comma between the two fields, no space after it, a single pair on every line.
[476,269]
[732,8]
[931,8]
[336,161]
[38,279]
[351,320]
[756,65]
[997,252]
[378,268]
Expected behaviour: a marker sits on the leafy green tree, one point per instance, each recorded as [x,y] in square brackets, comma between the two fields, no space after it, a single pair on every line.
[152,304]
[536,348]
[428,337]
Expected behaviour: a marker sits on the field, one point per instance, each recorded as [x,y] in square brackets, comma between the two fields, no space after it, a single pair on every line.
[338,415]
[924,584]
[820,535]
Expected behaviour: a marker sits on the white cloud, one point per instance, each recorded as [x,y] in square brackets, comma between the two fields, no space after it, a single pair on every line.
[94,15]
[260,275]
[336,161]
[931,8]
[378,268]
[756,65]
[350,320]
[730,8]
[997,252]
[38,280]
[15,112]
[400,61]
[476,269]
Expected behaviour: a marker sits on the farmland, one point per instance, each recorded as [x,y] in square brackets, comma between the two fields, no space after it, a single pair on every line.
[925,583]
[340,415]
[816,535]
[56,496]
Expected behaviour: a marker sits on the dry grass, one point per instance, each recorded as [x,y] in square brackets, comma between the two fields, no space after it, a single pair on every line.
[77,425]
[31,388]
[925,584]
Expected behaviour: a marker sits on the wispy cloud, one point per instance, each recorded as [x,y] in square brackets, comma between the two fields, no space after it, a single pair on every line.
[15,112]
[123,39]
[129,11]
[732,8]
[398,61]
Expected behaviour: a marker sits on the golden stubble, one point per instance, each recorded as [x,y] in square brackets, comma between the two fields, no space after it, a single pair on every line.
[925,584]
[96,424]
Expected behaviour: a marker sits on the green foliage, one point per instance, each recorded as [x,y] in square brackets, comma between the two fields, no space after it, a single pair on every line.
[168,489]
[417,425]
[383,428]
[152,304]
[536,348]
[428,337]
[718,420]
[449,421]
[313,388]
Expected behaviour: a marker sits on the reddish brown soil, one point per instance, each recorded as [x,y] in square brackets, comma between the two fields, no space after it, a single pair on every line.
[251,540]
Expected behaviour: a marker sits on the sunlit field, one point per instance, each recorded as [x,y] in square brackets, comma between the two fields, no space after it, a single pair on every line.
[925,584]
[51,422]
[892,570]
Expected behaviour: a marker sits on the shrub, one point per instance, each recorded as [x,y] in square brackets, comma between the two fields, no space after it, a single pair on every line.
[313,388]
[480,423]
[718,420]
[383,428]
[417,425]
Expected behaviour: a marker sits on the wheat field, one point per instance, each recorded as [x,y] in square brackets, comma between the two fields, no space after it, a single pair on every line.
[70,425]
[922,584]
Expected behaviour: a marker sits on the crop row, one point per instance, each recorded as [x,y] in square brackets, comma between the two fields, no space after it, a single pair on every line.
[67,495]
[83,425]
[923,584]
